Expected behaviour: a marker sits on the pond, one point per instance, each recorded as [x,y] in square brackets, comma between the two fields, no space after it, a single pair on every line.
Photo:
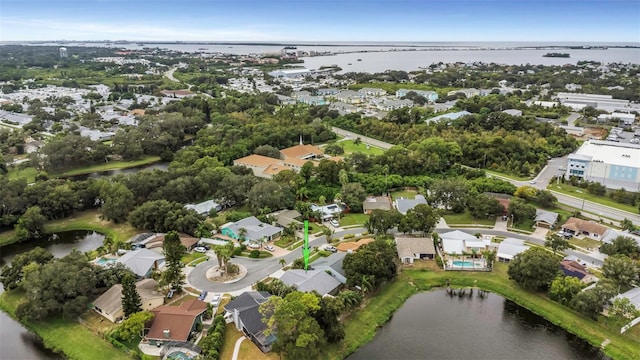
[16,342]
[163,166]
[59,244]
[435,325]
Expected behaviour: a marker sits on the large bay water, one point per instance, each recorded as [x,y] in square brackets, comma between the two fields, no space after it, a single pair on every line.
[16,342]
[434,325]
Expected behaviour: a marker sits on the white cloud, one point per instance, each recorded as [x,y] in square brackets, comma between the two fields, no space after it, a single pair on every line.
[16,29]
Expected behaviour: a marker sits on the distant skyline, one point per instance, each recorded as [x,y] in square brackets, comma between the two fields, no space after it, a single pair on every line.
[322,21]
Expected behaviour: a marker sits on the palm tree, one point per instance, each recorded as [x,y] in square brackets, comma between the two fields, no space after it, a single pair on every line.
[242,232]
[282,262]
[490,256]
[366,284]
[350,299]
[302,193]
[223,253]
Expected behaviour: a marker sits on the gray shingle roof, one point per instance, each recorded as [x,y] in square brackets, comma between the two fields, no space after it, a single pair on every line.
[140,261]
[548,217]
[404,205]
[256,229]
[408,246]
[311,280]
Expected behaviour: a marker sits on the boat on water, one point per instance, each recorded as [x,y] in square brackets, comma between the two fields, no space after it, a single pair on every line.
[359,59]
[349,64]
[202,49]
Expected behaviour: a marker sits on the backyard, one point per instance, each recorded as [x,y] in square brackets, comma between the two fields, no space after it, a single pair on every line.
[353,219]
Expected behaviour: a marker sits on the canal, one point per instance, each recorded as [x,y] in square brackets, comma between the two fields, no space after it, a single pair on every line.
[435,325]
[16,342]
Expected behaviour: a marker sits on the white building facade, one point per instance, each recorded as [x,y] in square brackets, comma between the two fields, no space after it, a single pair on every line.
[614,165]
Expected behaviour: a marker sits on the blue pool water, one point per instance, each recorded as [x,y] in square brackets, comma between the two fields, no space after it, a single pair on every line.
[179,355]
[104,262]
[463,263]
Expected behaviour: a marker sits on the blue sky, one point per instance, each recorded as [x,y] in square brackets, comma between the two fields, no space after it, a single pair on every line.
[323,20]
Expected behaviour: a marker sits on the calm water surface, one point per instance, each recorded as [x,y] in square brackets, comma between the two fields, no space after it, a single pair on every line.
[434,325]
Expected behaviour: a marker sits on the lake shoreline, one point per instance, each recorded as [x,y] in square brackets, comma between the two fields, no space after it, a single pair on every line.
[410,282]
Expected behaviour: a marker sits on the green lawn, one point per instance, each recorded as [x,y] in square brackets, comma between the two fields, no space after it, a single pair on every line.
[583,194]
[350,147]
[263,254]
[353,219]
[466,219]
[111,165]
[528,225]
[75,340]
[28,174]
[86,220]
[585,243]
[407,194]
[186,259]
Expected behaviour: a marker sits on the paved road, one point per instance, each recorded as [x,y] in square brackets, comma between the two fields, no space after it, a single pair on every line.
[169,74]
[572,118]
[553,169]
[257,269]
[580,255]
[365,139]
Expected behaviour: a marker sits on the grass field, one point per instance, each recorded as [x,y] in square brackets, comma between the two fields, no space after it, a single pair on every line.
[75,340]
[350,147]
[353,219]
[580,193]
[509,176]
[407,194]
[86,220]
[28,174]
[466,219]
[585,242]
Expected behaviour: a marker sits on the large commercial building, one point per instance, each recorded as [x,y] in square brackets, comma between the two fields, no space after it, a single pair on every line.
[614,165]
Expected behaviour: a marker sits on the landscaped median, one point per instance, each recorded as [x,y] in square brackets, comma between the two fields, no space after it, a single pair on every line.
[66,336]
[362,325]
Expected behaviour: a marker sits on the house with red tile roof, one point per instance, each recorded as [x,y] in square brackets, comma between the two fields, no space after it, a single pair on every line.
[291,158]
[175,323]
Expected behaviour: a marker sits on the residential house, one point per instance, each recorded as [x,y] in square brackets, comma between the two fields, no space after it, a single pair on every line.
[332,264]
[573,87]
[388,105]
[312,100]
[343,108]
[612,234]
[547,219]
[372,92]
[412,248]
[205,207]
[326,91]
[327,212]
[300,93]
[287,217]
[141,262]
[109,304]
[157,241]
[262,166]
[590,229]
[175,323]
[633,295]
[349,97]
[431,96]
[244,311]
[403,205]
[312,280]
[458,242]
[449,116]
[513,112]
[376,203]
[471,92]
[509,248]
[254,230]
[351,246]
[285,100]
[577,270]
[177,93]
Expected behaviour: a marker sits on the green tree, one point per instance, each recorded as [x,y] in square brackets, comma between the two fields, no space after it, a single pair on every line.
[376,259]
[621,245]
[118,202]
[327,317]
[484,207]
[132,327]
[521,211]
[131,302]
[270,194]
[545,198]
[31,224]
[591,302]
[173,251]
[556,242]
[421,218]
[224,253]
[622,309]
[13,273]
[350,299]
[627,224]
[564,288]
[353,194]
[621,270]
[299,336]
[268,151]
[381,221]
[534,269]
[450,193]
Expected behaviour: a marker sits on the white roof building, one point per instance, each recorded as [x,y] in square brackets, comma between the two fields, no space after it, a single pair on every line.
[614,165]
[457,242]
[509,248]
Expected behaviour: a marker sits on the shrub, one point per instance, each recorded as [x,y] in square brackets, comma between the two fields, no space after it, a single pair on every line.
[254,254]
[349,236]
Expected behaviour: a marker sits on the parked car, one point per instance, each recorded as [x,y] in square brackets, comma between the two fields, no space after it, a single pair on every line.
[270,248]
[254,245]
[203,295]
[330,248]
[532,182]
[216,300]
[200,249]
[334,222]
[170,294]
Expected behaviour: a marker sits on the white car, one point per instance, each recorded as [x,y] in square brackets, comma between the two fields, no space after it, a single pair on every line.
[532,182]
[200,249]
[334,222]
[216,300]
[330,248]
[254,245]
[270,248]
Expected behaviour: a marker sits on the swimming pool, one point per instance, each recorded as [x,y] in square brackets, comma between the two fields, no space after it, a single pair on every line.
[105,262]
[462,263]
[179,355]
